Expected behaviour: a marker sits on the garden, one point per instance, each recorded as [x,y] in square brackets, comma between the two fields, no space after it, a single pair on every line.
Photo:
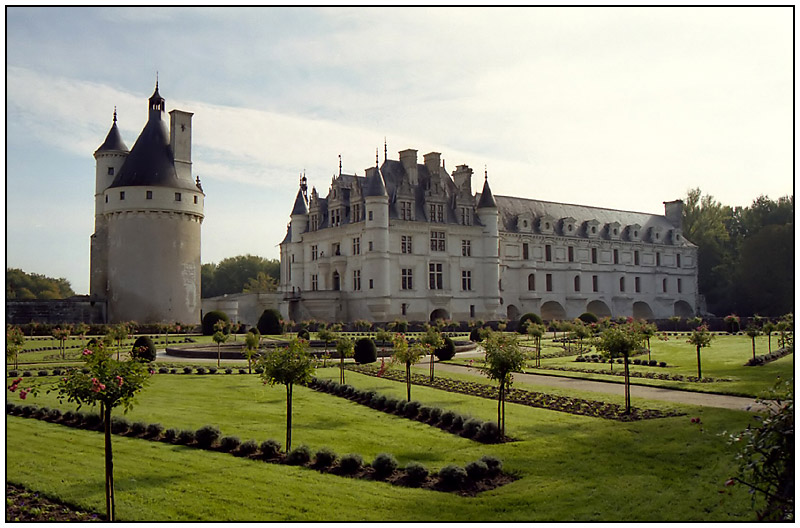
[388,443]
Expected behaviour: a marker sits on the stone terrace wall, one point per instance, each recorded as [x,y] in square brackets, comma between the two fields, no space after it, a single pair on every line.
[72,310]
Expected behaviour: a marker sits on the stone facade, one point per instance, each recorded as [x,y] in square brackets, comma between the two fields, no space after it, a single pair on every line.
[410,241]
[145,251]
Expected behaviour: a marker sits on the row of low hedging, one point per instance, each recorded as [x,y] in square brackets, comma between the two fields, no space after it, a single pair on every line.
[483,474]
[446,420]
[766,358]
[161,370]
[579,406]
[636,374]
[595,358]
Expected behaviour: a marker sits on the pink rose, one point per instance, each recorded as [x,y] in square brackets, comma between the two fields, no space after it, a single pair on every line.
[23,394]
[120,381]
[87,352]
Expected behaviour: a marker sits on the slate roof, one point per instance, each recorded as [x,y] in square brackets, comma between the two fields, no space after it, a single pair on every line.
[299,204]
[113,140]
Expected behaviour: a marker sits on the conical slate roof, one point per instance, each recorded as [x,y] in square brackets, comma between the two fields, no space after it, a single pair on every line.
[299,204]
[113,139]
[375,185]
[487,199]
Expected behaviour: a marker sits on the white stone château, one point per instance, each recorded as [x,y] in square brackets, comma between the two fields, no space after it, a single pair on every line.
[410,241]
[145,250]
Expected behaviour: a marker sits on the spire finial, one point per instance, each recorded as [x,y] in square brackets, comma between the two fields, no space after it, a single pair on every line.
[115,114]
[340,164]
[376,157]
[385,148]
[485,173]
[156,80]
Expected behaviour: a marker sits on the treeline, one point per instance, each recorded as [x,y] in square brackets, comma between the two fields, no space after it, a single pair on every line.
[244,273]
[745,254]
[22,285]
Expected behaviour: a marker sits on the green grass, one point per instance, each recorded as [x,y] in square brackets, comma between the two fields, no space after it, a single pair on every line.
[725,358]
[571,468]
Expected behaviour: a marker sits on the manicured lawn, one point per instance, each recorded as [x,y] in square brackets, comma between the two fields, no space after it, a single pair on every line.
[571,468]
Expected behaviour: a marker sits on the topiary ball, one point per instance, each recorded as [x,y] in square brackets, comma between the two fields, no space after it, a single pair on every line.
[365,351]
[270,448]
[211,318]
[351,463]
[452,476]
[528,318]
[325,457]
[416,472]
[143,349]
[446,351]
[299,456]
[384,465]
[270,322]
[476,470]
[303,334]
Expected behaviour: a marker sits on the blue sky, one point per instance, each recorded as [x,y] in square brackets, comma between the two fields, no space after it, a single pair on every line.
[615,107]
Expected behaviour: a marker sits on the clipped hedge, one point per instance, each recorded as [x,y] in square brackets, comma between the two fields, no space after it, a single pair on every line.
[211,318]
[144,349]
[365,351]
[270,322]
[528,317]
[446,351]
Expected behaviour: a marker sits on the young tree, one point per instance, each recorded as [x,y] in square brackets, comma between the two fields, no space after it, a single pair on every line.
[618,342]
[220,336]
[407,355]
[700,338]
[648,330]
[118,332]
[580,331]
[783,327]
[287,366]
[384,336]
[431,340]
[344,347]
[111,383]
[81,329]
[252,340]
[503,356]
[675,320]
[62,333]
[768,328]
[14,341]
[536,331]
[752,332]
[327,336]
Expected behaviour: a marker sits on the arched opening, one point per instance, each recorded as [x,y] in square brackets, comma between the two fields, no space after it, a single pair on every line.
[336,281]
[641,310]
[531,282]
[552,310]
[439,313]
[683,309]
[512,313]
[599,308]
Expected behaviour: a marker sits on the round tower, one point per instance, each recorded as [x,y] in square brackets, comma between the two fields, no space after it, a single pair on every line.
[153,210]
[109,158]
[490,218]
[376,261]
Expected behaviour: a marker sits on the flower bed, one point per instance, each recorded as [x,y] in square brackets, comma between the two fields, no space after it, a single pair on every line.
[448,421]
[541,400]
[634,374]
[325,461]
[767,358]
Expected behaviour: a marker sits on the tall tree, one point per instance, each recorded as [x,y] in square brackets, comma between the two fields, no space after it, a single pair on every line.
[288,366]
[23,285]
[234,274]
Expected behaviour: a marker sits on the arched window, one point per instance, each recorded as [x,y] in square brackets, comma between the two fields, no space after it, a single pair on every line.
[577,283]
[531,282]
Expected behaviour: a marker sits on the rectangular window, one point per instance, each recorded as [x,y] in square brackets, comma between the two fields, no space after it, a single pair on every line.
[314,252]
[678,260]
[405,244]
[636,258]
[371,284]
[466,248]
[637,284]
[466,216]
[531,282]
[680,286]
[314,222]
[314,282]
[437,213]
[337,249]
[356,280]
[622,284]
[195,199]
[357,246]
[435,277]
[407,279]
[177,197]
[404,308]
[405,210]
[369,214]
[471,311]
[594,283]
[594,255]
[548,253]
[577,282]
[122,195]
[525,251]
[571,254]
[616,256]
[370,245]
[548,279]
[466,280]
[111,171]
[148,195]
[106,198]
[658,259]
[356,212]
[664,285]
[437,241]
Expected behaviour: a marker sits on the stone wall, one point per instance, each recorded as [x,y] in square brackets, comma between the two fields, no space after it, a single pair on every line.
[72,310]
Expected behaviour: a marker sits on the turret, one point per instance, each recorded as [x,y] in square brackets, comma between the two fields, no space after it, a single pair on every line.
[489,216]
[300,213]
[376,235]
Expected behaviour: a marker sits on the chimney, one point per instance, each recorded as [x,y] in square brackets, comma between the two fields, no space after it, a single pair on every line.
[408,158]
[433,160]
[674,212]
[180,140]
[462,177]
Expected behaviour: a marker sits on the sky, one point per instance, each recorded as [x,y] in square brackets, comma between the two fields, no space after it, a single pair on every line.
[618,107]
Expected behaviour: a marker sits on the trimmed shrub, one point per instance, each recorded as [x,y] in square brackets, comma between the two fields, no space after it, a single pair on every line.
[154,430]
[207,435]
[11,408]
[41,412]
[247,448]
[270,322]
[13,373]
[588,317]
[53,416]
[652,362]
[416,473]
[187,370]
[201,370]
[138,429]
[57,372]
[452,476]
[412,408]
[366,396]
[350,463]
[435,415]
[662,364]
[390,404]
[424,413]
[212,370]
[325,457]
[92,421]
[493,464]
[229,443]
[84,370]
[378,402]
[144,349]
[258,370]
[243,371]
[299,456]
[446,351]
[475,335]
[400,407]
[303,334]
[489,432]
[42,373]
[447,418]
[173,371]
[26,374]
[270,448]
[27,410]
[185,437]
[471,427]
[458,423]
[476,470]
[120,425]
[365,351]
[228,371]
[532,317]
[384,465]
[211,318]
[163,370]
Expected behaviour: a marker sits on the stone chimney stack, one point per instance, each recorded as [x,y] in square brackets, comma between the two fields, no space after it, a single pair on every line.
[433,161]
[462,177]
[674,212]
[408,158]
